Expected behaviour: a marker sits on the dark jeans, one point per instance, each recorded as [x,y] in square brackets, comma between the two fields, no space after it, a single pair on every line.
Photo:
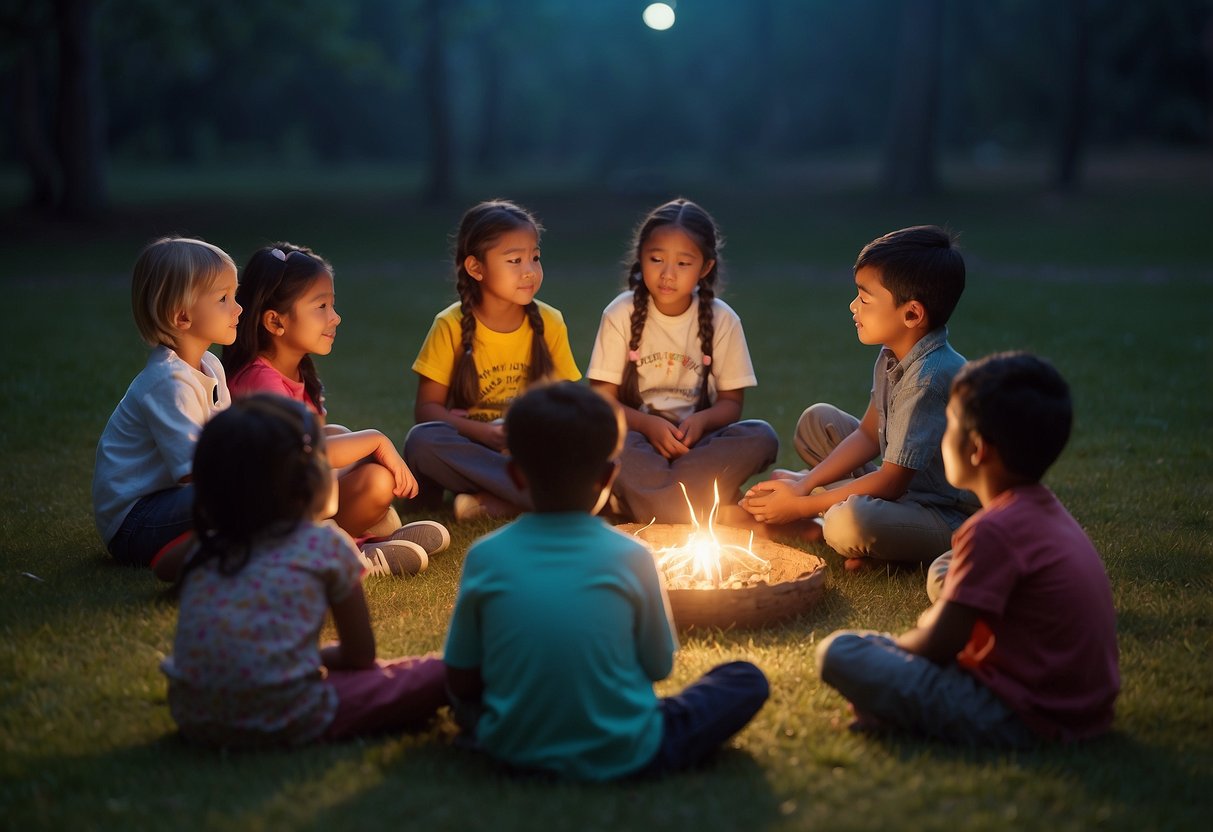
[153,522]
[703,717]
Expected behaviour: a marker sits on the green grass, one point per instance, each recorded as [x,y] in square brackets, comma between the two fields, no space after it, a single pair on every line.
[1114,285]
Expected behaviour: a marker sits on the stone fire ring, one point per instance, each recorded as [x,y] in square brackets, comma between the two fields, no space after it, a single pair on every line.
[797,582]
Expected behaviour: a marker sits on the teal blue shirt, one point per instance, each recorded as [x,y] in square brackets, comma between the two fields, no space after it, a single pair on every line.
[569,625]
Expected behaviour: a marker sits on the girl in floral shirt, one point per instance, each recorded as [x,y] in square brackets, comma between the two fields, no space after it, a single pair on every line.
[247,668]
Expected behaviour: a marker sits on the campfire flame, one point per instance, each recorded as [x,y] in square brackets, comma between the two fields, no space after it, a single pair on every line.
[703,557]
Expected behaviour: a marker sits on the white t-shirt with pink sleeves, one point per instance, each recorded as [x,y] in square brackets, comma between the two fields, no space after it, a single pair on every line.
[246,668]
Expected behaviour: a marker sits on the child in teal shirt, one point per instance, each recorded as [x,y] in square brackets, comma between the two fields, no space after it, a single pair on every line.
[561,624]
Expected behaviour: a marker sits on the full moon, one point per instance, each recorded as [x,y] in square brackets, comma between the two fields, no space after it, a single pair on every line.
[659,16]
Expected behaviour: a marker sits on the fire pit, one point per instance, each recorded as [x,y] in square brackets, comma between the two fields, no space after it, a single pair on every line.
[717,576]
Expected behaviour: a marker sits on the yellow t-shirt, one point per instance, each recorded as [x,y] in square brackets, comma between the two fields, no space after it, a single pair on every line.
[503,359]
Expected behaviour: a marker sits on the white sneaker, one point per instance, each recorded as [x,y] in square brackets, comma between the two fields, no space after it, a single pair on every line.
[386,525]
[467,507]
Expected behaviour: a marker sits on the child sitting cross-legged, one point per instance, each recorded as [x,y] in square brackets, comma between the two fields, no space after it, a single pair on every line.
[247,668]
[561,624]
[1021,644]
[907,283]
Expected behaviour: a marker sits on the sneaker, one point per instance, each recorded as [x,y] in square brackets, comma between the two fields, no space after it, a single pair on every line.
[467,507]
[394,557]
[386,525]
[429,535]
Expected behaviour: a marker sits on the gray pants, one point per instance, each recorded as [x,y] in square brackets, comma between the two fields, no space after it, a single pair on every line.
[907,692]
[862,526]
[647,485]
[442,458]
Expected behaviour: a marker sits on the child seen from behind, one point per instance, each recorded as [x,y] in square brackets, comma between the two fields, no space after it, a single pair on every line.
[480,353]
[675,356]
[290,314]
[183,296]
[561,624]
[1021,644]
[246,668]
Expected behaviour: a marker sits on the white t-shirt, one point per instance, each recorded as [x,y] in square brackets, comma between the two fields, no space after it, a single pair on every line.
[671,360]
[148,443]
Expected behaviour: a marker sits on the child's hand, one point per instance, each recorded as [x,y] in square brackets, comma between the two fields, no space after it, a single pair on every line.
[387,456]
[773,501]
[692,428]
[494,436]
[665,437]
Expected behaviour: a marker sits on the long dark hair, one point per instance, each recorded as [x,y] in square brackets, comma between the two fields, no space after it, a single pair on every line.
[259,469]
[697,224]
[272,281]
[480,227]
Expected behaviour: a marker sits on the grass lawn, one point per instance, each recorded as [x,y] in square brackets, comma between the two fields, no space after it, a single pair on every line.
[1114,285]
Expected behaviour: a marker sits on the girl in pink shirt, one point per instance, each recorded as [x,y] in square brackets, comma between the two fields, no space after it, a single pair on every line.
[289,298]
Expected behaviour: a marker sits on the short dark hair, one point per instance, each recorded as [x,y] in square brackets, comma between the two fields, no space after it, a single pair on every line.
[1020,404]
[919,263]
[562,435]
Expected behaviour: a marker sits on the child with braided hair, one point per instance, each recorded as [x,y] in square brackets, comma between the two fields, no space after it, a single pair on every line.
[481,352]
[675,357]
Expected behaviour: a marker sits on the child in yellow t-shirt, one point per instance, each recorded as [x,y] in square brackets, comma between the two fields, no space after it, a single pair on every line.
[482,352]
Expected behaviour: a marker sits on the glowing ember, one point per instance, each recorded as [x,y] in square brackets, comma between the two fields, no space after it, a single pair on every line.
[703,562]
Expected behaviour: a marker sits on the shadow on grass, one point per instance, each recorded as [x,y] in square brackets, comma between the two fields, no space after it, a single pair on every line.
[409,780]
[1124,778]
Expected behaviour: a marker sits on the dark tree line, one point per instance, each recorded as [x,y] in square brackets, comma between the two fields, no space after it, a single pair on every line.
[461,87]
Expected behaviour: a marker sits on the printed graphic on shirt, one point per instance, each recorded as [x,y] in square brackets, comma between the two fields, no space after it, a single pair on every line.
[499,385]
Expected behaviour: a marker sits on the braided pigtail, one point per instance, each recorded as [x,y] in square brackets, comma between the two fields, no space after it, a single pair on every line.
[707,333]
[702,230]
[465,385]
[629,385]
[542,364]
[480,227]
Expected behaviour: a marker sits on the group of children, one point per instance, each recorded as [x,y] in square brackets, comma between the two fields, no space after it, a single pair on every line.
[225,476]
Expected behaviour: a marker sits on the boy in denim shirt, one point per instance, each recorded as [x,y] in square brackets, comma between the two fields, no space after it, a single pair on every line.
[907,284]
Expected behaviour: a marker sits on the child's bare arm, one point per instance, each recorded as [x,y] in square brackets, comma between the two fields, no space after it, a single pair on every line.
[785,502]
[942,632]
[725,411]
[355,645]
[431,407]
[665,437]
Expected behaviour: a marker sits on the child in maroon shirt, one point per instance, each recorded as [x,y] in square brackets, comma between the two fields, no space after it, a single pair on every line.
[1021,644]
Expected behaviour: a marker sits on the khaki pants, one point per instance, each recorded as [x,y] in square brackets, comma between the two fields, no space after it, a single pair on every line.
[862,526]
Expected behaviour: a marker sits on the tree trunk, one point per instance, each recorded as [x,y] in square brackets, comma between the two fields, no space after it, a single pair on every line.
[487,151]
[1072,134]
[32,140]
[910,144]
[439,173]
[81,136]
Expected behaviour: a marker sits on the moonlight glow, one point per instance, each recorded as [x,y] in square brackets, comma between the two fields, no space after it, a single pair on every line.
[659,16]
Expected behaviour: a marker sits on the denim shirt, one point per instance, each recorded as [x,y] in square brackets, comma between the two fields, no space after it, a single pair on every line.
[911,399]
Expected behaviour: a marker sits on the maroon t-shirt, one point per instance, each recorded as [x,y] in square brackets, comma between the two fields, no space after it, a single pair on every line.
[1045,642]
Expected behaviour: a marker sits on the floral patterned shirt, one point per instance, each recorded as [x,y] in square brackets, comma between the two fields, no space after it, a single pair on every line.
[246,666]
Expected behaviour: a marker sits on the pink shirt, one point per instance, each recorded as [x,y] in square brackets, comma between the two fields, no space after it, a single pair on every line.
[1046,640]
[261,377]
